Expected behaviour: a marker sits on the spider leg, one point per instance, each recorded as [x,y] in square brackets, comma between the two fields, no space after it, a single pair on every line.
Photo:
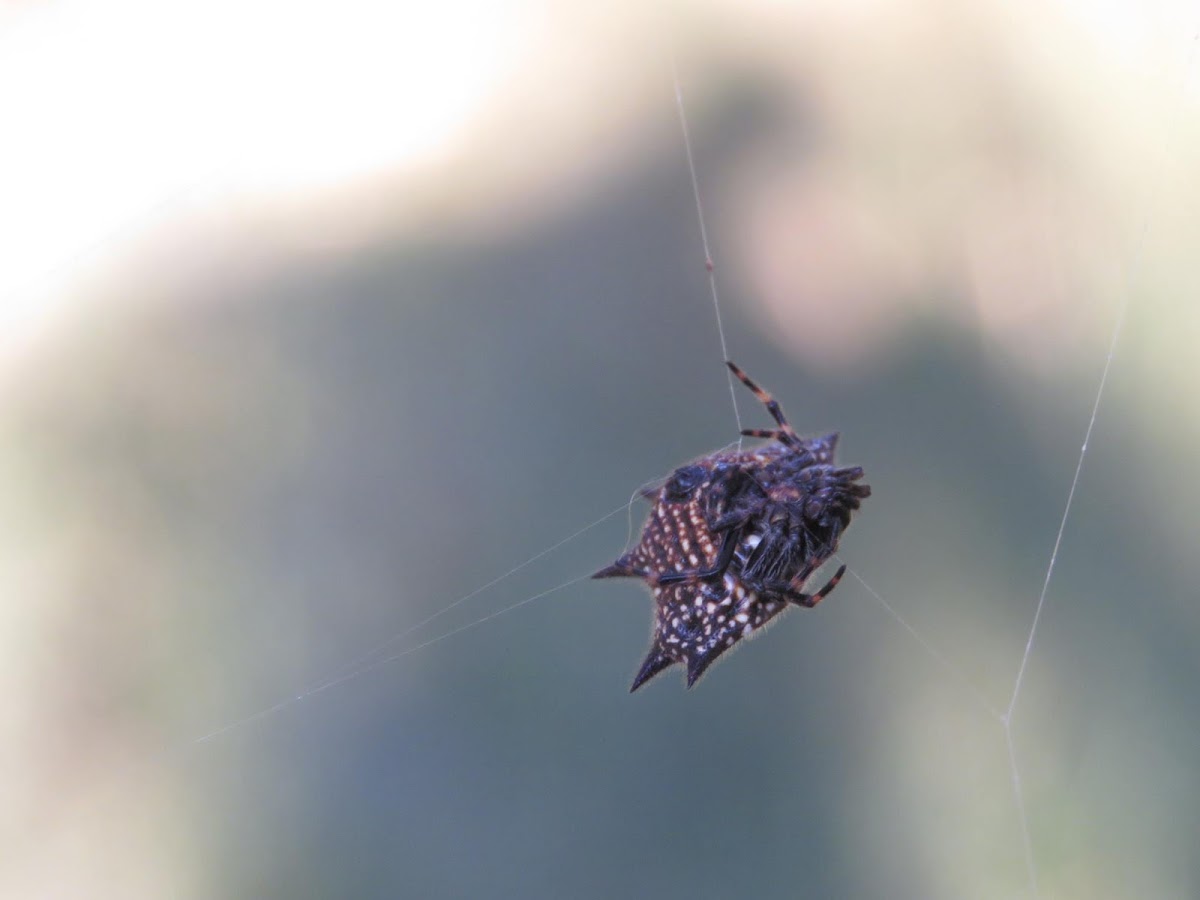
[786,433]
[767,546]
[730,495]
[731,520]
[808,601]
[724,558]
[824,548]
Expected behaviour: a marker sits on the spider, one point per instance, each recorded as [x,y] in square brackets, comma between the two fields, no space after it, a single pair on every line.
[733,537]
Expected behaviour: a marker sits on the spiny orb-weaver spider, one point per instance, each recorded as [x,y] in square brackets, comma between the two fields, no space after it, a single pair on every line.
[733,537]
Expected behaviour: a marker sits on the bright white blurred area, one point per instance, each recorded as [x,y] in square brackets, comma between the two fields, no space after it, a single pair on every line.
[313,314]
[121,116]
[1006,151]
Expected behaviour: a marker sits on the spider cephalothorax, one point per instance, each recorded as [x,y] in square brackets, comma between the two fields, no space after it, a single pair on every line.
[733,537]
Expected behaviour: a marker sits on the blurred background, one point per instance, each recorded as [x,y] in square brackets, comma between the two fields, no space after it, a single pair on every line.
[316,318]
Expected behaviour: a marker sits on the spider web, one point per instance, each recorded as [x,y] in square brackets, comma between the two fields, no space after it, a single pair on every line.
[386,652]
[1004,717]
[1031,831]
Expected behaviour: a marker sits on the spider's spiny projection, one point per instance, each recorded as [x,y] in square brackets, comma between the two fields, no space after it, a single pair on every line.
[733,537]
